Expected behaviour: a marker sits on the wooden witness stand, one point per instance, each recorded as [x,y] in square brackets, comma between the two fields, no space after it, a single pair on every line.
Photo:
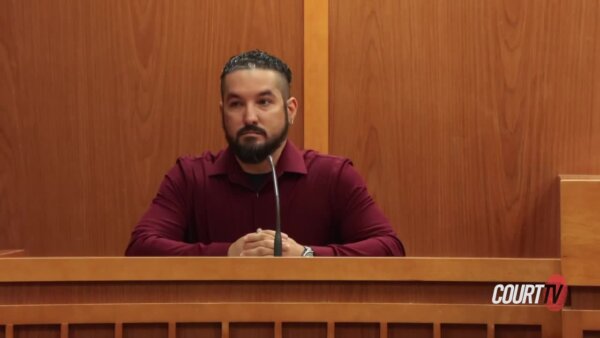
[327,294]
[303,297]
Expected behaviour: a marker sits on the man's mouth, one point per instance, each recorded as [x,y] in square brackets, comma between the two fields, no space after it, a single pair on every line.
[252,132]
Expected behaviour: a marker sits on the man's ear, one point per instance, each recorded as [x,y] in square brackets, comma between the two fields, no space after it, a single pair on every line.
[292,109]
[221,106]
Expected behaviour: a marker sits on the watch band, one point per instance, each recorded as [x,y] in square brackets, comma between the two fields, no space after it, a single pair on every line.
[308,252]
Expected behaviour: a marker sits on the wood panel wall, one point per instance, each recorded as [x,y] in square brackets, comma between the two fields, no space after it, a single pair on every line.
[98,99]
[461,114]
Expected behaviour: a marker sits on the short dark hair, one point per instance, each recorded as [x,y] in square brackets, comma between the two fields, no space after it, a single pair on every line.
[256,59]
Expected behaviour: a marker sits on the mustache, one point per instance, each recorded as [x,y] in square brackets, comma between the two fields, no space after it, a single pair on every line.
[251,128]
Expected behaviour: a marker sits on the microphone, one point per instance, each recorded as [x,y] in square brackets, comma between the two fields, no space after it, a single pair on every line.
[277,249]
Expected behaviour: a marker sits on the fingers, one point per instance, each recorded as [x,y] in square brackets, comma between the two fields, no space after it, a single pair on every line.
[263,235]
[266,243]
[259,243]
[258,252]
[263,247]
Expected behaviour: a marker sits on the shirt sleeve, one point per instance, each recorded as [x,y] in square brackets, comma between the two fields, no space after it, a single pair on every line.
[363,228]
[161,230]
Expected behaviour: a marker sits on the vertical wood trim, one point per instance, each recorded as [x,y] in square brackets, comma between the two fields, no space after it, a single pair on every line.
[554,330]
[316,75]
[490,330]
[172,330]
[437,330]
[571,325]
[383,330]
[330,330]
[64,330]
[9,331]
[224,329]
[118,330]
[278,330]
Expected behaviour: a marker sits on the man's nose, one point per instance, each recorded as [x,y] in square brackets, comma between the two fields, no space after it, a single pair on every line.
[251,114]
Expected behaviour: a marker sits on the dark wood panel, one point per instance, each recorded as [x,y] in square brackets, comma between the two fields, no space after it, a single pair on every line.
[517,331]
[461,114]
[91,331]
[352,330]
[196,330]
[584,298]
[150,330]
[37,331]
[302,330]
[410,330]
[591,334]
[98,99]
[257,330]
[463,331]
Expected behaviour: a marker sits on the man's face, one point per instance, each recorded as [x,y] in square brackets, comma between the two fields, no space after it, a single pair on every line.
[255,114]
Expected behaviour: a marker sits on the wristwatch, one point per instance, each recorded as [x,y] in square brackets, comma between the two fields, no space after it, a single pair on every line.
[308,252]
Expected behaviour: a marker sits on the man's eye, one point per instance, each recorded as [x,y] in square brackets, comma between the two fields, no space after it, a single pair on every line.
[264,102]
[234,104]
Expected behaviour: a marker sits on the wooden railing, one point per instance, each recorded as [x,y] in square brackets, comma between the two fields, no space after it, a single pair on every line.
[254,297]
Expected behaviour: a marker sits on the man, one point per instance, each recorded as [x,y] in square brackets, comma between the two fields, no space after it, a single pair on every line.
[223,204]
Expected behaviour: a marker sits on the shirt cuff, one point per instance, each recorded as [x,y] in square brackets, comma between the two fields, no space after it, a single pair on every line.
[214,249]
[322,251]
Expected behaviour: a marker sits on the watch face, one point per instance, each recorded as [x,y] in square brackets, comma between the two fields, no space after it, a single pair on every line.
[308,252]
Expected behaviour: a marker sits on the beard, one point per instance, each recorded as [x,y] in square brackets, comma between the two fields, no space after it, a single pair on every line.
[250,152]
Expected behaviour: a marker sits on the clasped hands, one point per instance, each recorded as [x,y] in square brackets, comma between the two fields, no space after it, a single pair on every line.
[262,243]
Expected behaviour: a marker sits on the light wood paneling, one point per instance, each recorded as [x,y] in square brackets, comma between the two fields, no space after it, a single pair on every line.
[580,229]
[316,75]
[576,321]
[98,99]
[461,114]
[277,269]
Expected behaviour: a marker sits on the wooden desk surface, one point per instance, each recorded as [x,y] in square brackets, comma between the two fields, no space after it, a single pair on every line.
[66,269]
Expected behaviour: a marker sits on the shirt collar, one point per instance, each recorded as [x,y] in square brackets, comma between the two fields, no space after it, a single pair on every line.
[291,160]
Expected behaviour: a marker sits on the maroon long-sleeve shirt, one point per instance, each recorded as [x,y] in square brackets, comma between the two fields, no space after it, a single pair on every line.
[324,205]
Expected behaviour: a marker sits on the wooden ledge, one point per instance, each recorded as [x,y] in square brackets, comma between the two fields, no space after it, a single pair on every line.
[579,178]
[272,269]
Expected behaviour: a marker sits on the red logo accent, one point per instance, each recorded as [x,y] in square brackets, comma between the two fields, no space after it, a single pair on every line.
[556,292]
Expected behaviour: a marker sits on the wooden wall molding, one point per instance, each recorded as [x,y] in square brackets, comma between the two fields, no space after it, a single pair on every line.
[265,269]
[316,75]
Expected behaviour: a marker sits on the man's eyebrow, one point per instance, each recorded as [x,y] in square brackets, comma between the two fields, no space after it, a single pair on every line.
[230,96]
[267,92]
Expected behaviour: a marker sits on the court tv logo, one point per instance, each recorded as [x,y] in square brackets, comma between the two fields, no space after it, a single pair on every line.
[553,293]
